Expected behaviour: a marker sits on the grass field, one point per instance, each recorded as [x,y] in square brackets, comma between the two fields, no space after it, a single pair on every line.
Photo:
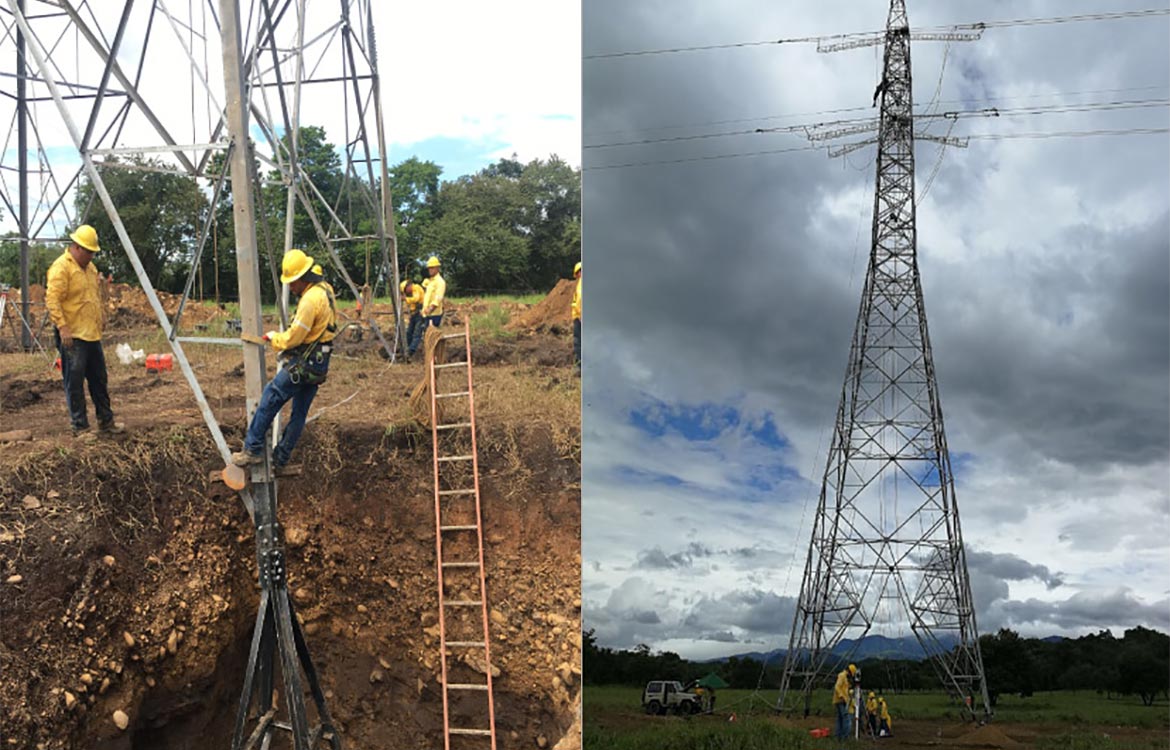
[1046,721]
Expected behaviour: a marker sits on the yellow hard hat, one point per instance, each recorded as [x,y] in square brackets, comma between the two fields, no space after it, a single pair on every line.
[852,669]
[86,237]
[870,693]
[577,268]
[317,269]
[402,286]
[433,262]
[295,265]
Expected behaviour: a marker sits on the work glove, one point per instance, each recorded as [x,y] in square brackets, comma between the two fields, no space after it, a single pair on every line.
[268,335]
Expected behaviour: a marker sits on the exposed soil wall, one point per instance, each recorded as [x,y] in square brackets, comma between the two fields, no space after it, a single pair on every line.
[129,585]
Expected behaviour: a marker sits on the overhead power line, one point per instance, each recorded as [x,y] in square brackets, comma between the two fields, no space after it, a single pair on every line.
[931,31]
[845,110]
[818,130]
[818,147]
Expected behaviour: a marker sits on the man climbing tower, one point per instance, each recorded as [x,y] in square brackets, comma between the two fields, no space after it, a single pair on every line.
[305,348]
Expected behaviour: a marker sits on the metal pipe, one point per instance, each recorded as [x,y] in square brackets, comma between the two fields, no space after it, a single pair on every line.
[22,161]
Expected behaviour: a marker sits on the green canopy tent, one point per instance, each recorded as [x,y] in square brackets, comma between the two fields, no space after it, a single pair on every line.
[713,681]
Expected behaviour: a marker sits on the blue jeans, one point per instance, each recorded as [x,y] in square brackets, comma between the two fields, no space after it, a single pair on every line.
[434,320]
[844,726]
[577,341]
[414,332]
[276,394]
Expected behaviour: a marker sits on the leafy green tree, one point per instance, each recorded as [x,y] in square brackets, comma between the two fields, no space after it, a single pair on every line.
[1143,668]
[40,257]
[414,191]
[161,213]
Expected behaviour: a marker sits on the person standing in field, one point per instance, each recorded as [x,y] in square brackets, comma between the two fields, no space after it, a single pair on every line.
[886,724]
[412,302]
[871,713]
[436,290]
[577,317]
[843,701]
[73,297]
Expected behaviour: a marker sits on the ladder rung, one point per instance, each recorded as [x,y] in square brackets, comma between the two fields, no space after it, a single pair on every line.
[463,603]
[457,492]
[465,644]
[467,686]
[455,458]
[448,336]
[480,732]
[461,565]
[453,394]
[450,364]
[453,426]
[466,527]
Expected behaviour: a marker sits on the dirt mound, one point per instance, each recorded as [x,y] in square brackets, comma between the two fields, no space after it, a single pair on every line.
[987,735]
[36,294]
[556,309]
[129,586]
[127,307]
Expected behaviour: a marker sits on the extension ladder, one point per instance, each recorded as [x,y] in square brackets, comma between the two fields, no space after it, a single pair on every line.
[459,533]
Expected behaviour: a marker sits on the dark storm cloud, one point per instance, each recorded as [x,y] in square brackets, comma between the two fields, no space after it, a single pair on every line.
[1011,568]
[1087,610]
[1045,267]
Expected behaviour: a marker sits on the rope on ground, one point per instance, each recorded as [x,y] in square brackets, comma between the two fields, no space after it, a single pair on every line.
[420,398]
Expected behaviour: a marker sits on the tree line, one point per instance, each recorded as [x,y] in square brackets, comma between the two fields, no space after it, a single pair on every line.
[511,227]
[1138,664]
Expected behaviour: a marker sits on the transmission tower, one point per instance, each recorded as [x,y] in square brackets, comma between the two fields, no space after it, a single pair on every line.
[886,543]
[248,75]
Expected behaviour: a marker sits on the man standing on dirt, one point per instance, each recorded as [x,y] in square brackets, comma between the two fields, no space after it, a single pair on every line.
[843,701]
[436,290]
[73,298]
[577,317]
[412,301]
[306,349]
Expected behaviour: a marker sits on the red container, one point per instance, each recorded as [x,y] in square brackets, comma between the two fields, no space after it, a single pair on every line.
[57,364]
[160,362]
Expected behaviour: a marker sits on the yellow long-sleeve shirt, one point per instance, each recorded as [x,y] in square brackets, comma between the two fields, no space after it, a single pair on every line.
[73,297]
[412,302]
[884,714]
[311,323]
[433,299]
[577,301]
[841,690]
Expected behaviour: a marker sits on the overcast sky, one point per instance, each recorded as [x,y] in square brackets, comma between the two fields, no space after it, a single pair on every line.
[723,292]
[463,83]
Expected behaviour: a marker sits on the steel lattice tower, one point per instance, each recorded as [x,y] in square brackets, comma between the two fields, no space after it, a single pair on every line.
[886,534]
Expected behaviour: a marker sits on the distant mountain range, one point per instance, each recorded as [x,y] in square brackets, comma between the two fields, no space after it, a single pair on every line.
[869,647]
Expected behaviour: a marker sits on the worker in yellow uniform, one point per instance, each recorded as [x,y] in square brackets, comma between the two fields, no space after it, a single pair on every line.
[885,723]
[871,713]
[436,289]
[305,348]
[73,297]
[412,302]
[577,317]
[843,700]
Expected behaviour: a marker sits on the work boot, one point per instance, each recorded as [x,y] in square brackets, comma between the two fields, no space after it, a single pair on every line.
[111,428]
[245,458]
[83,434]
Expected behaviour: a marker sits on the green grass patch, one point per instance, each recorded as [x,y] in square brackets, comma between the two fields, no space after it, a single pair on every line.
[699,735]
[491,324]
[1067,708]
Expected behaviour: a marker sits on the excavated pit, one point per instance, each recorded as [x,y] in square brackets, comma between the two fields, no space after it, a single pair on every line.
[137,589]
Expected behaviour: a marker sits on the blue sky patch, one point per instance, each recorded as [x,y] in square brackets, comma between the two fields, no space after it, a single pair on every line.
[695,423]
[457,156]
